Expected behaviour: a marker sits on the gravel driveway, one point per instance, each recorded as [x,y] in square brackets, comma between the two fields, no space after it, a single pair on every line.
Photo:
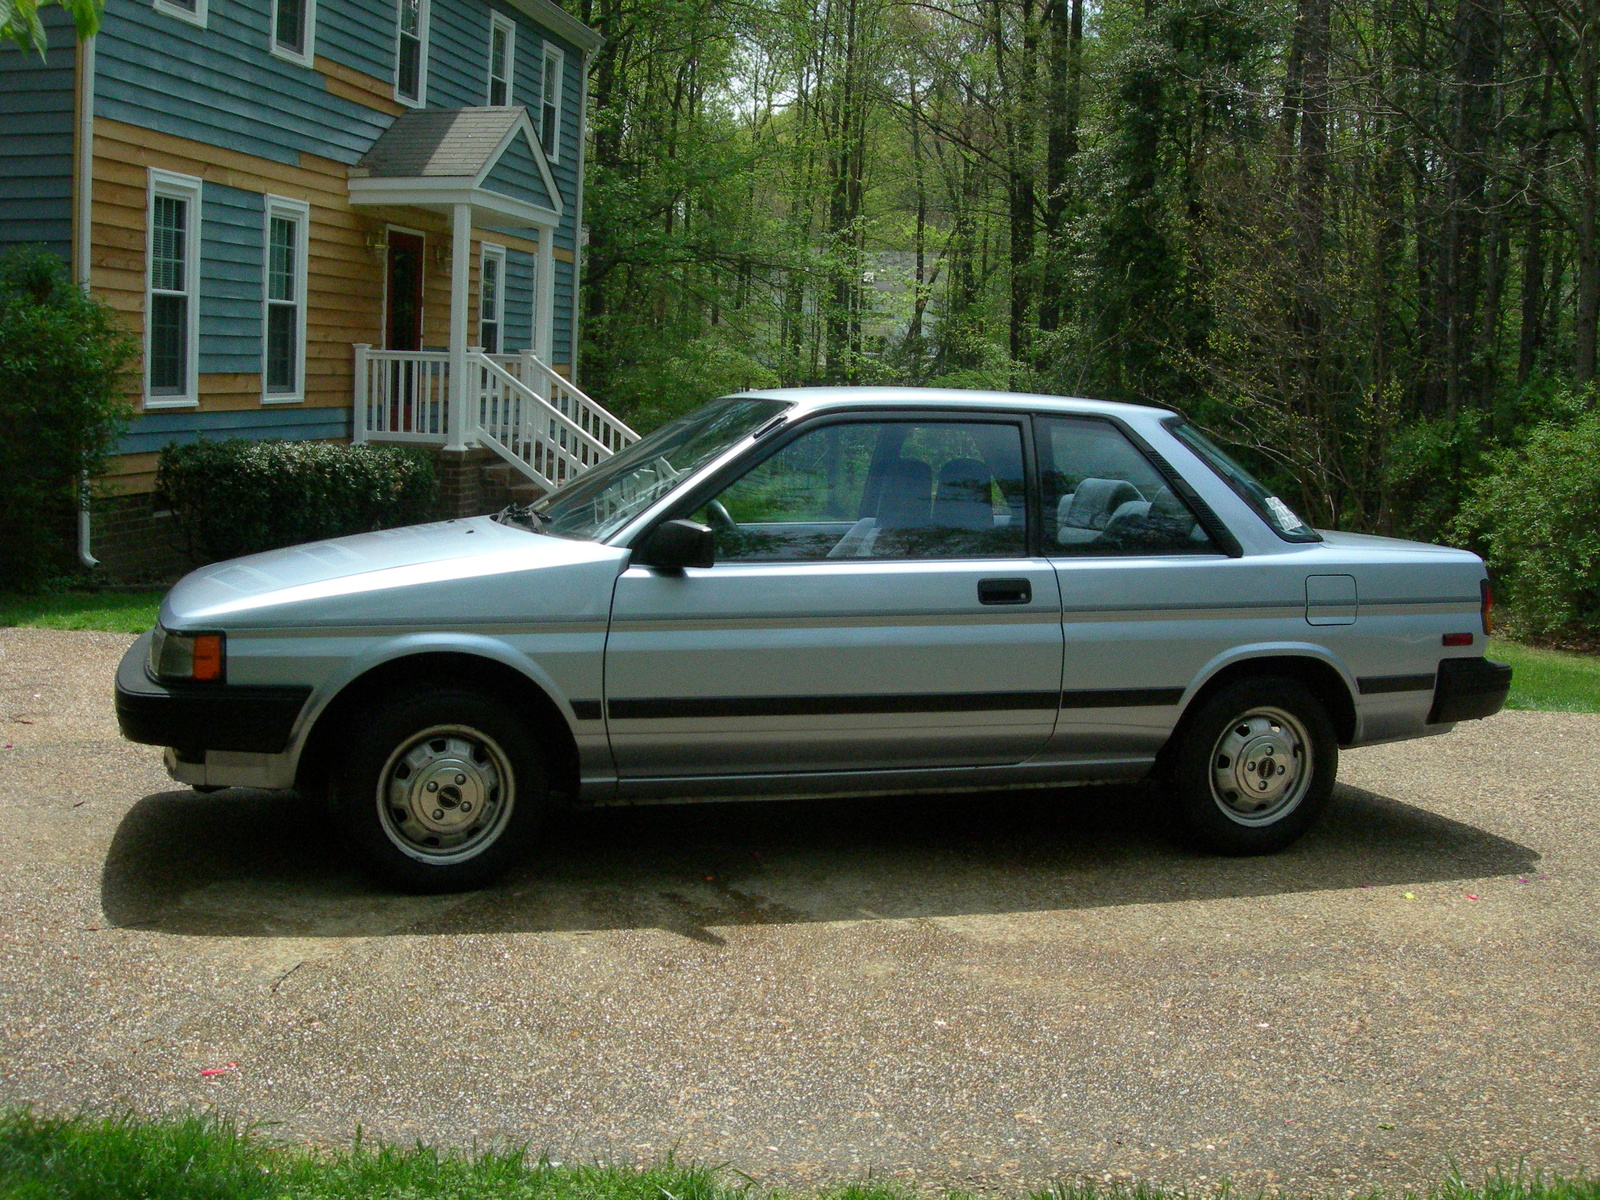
[979,992]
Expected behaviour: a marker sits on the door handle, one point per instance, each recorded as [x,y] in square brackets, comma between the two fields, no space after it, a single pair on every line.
[1005,591]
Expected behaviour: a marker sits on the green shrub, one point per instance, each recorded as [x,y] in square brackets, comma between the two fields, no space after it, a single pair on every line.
[62,358]
[238,497]
[1535,515]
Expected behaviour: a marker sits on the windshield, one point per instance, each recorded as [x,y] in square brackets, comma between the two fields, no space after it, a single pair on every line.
[1268,507]
[606,497]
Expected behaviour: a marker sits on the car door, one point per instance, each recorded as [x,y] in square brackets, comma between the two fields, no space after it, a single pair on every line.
[1148,598]
[873,605]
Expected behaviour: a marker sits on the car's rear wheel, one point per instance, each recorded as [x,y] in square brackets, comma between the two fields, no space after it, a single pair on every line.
[439,789]
[1254,766]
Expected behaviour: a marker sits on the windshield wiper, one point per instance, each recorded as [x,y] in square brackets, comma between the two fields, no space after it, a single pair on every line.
[523,517]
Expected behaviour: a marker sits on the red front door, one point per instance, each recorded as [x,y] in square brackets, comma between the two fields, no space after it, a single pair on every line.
[404,292]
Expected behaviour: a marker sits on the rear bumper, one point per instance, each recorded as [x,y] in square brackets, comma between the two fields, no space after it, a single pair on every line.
[201,716]
[1469,688]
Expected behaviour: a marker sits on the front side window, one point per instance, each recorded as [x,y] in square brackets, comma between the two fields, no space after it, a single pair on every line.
[285,318]
[550,104]
[502,56]
[411,51]
[171,302]
[1279,516]
[1103,496]
[879,490]
[491,298]
[606,497]
[291,29]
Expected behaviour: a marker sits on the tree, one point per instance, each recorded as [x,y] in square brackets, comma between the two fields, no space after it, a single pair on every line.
[20,21]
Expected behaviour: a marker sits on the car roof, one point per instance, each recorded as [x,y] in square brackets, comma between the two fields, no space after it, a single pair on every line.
[817,399]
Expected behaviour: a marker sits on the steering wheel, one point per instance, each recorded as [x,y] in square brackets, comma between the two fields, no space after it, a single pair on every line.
[719,518]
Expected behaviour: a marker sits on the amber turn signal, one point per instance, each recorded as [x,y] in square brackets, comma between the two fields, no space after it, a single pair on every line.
[208,657]
[1486,606]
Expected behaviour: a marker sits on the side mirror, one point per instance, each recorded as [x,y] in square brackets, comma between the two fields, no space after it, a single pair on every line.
[673,545]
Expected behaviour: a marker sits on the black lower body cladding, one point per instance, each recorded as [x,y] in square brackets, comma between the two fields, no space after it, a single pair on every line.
[1469,688]
[203,716]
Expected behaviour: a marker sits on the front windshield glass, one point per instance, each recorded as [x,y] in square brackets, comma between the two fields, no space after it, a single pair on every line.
[1268,507]
[606,497]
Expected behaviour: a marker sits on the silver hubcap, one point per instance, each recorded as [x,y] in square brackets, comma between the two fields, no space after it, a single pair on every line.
[445,794]
[1261,766]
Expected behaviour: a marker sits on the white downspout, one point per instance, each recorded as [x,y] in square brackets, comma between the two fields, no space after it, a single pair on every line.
[544,338]
[83,239]
[460,270]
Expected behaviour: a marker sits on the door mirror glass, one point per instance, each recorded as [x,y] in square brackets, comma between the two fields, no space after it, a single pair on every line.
[674,545]
[882,490]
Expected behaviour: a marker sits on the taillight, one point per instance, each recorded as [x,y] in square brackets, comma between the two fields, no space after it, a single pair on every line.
[1486,606]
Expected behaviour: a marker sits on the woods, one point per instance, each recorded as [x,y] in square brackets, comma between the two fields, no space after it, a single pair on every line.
[1357,238]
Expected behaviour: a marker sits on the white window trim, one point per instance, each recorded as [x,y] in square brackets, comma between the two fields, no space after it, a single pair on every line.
[486,251]
[299,212]
[553,154]
[498,22]
[197,17]
[424,23]
[186,188]
[303,58]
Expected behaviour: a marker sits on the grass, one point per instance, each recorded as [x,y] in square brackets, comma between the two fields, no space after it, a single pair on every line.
[208,1158]
[1550,680]
[111,612]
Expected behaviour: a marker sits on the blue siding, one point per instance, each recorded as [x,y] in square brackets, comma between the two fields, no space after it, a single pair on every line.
[221,86]
[151,431]
[36,117]
[458,53]
[231,251]
[517,174]
[518,330]
[561,325]
[358,34]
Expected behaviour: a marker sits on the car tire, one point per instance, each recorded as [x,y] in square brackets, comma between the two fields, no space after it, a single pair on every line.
[439,790]
[1253,767]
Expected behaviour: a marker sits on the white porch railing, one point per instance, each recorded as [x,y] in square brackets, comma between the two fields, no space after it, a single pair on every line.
[527,413]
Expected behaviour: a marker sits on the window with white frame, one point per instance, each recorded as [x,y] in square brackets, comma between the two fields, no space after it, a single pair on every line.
[502,58]
[172,300]
[550,103]
[193,11]
[283,366]
[293,28]
[491,297]
[411,52]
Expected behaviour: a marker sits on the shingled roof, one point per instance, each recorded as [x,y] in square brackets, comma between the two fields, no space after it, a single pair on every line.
[438,142]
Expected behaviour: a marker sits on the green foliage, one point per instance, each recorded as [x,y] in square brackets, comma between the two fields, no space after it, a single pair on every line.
[21,24]
[1550,680]
[1534,514]
[62,363]
[236,496]
[668,380]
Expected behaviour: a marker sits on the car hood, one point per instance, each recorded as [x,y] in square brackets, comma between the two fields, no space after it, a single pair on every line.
[460,570]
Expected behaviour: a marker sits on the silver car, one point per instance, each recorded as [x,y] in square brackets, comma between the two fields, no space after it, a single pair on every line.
[815,592]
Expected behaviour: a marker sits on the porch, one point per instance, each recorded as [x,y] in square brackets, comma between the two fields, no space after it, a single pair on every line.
[515,405]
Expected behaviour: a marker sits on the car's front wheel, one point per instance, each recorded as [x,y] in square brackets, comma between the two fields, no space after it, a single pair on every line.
[1254,766]
[439,789]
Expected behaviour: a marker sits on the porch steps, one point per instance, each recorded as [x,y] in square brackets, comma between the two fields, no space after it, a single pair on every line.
[503,484]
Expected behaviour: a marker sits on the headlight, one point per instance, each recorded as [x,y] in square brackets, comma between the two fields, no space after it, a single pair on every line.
[200,657]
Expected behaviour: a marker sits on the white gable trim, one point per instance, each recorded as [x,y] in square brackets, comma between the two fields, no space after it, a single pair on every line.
[524,126]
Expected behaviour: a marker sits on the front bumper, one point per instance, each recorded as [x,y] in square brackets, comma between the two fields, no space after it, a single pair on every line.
[1469,688]
[198,717]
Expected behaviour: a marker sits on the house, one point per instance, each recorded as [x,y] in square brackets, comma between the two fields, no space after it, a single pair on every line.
[353,219]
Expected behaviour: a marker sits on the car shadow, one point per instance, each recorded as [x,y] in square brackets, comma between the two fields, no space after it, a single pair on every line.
[256,864]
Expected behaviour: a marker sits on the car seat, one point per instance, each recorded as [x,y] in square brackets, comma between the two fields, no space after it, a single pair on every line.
[1082,516]
[963,499]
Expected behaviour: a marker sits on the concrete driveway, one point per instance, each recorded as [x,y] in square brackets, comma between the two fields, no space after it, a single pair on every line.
[978,992]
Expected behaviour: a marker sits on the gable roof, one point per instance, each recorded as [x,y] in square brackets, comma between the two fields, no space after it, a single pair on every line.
[435,158]
[432,142]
